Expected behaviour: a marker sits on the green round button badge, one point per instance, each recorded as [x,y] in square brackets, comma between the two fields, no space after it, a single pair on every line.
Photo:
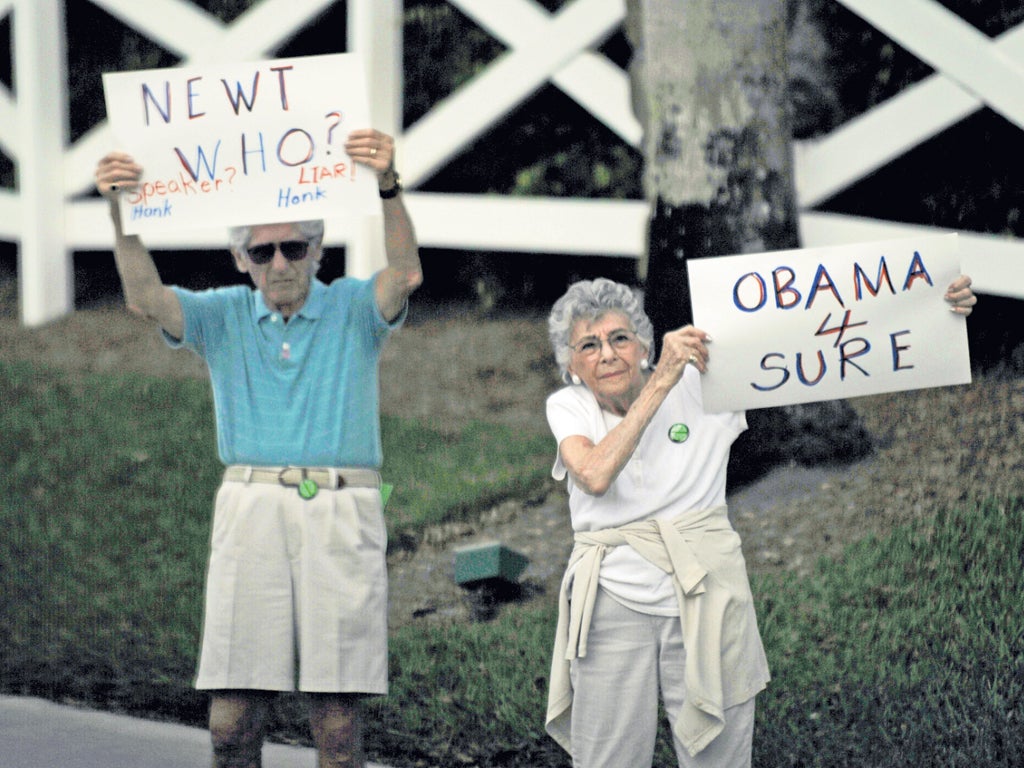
[308,488]
[678,433]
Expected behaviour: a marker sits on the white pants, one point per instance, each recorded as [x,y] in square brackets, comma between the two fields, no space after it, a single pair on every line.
[631,655]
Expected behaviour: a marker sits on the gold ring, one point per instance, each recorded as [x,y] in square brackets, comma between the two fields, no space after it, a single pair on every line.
[373,151]
[693,359]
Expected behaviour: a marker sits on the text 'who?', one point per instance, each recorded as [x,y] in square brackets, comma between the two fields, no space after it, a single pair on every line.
[242,143]
[829,323]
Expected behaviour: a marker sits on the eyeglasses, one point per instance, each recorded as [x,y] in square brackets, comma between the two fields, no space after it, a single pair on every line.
[293,250]
[590,346]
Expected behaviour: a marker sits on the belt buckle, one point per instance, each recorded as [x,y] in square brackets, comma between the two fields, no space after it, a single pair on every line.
[339,481]
[307,486]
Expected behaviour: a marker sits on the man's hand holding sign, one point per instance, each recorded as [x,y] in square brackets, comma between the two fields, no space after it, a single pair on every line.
[827,323]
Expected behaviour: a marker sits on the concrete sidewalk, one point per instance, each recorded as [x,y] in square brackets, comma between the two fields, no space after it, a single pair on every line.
[35,733]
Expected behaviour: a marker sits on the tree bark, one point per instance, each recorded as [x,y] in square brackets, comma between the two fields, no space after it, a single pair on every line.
[710,87]
[709,84]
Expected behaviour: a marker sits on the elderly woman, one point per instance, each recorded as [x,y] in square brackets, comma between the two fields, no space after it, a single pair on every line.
[655,596]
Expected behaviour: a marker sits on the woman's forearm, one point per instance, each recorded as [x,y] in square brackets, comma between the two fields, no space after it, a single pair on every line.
[595,467]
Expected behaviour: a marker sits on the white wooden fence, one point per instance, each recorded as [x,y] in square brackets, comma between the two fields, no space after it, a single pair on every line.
[972,71]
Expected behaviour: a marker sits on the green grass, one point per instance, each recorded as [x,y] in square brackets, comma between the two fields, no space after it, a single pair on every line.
[105,501]
[439,477]
[907,651]
[104,505]
[469,694]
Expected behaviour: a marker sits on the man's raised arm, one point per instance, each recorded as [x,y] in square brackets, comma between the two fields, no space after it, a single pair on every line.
[403,274]
[144,291]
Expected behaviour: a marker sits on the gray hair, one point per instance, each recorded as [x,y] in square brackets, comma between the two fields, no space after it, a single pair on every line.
[591,300]
[313,230]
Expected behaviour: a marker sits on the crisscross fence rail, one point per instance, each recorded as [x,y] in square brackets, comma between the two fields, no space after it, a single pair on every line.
[50,214]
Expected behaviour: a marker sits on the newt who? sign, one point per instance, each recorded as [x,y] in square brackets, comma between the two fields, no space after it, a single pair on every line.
[242,143]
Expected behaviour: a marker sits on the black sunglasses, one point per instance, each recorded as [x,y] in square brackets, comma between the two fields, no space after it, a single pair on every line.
[293,250]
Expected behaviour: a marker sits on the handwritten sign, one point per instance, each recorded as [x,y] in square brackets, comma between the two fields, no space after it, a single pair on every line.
[242,143]
[817,324]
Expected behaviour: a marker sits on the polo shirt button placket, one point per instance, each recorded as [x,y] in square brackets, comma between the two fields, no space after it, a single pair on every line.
[286,350]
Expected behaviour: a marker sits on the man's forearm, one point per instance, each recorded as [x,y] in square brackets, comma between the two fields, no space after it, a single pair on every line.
[400,244]
[139,277]
[144,291]
[403,274]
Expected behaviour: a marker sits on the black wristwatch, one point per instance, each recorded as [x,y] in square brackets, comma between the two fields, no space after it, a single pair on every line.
[394,189]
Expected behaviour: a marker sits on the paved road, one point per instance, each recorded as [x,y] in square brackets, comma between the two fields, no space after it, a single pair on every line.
[40,734]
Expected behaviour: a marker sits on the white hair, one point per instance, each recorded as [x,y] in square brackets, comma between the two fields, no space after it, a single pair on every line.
[591,300]
[313,230]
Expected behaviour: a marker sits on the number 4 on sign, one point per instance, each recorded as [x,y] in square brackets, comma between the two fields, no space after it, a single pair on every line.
[839,330]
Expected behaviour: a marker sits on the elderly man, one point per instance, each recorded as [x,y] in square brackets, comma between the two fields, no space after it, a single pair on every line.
[296,594]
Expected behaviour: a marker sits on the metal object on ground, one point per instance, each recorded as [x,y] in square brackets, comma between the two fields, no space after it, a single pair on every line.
[488,561]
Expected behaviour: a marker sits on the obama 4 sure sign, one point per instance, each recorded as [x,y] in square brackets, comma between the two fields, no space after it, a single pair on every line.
[226,144]
[828,323]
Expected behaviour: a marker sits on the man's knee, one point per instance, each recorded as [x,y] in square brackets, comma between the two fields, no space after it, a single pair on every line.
[237,724]
[336,722]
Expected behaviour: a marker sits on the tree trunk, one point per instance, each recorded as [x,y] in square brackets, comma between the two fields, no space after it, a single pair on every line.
[709,87]
[709,83]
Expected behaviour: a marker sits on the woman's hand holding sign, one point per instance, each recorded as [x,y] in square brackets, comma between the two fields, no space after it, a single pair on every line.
[960,296]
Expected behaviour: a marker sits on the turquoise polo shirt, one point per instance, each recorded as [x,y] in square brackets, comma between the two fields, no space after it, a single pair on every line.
[303,392]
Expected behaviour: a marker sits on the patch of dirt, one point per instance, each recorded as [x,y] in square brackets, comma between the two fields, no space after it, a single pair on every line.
[934,447]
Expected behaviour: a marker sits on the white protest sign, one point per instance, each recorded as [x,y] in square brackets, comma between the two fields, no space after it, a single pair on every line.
[817,324]
[242,143]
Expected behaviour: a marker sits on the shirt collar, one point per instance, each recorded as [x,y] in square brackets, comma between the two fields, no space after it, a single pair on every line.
[312,309]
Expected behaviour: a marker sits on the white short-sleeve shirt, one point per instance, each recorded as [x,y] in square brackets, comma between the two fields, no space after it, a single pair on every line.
[679,465]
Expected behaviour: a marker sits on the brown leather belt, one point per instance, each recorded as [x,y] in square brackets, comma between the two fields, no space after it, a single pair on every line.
[323,477]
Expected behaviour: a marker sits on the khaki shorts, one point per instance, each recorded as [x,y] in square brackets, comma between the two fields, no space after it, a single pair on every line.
[296,594]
